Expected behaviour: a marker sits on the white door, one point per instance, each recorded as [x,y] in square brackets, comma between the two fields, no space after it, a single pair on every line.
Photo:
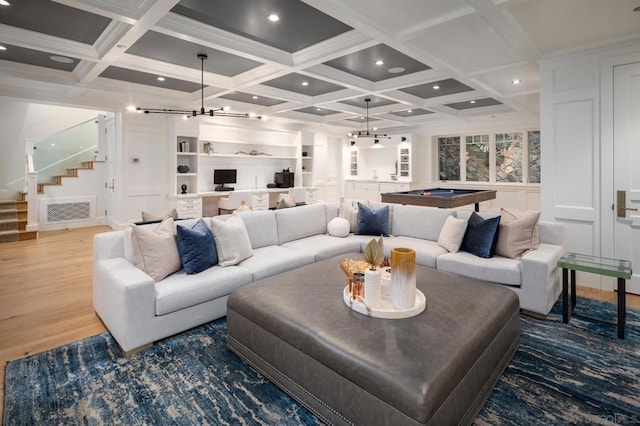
[626,154]
[110,199]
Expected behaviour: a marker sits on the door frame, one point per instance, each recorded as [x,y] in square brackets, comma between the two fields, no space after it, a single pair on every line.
[608,201]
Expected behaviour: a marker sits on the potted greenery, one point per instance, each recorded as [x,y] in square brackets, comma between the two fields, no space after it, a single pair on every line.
[373,255]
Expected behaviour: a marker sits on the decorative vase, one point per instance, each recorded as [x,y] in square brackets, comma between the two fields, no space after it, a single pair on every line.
[183,169]
[372,287]
[184,188]
[403,277]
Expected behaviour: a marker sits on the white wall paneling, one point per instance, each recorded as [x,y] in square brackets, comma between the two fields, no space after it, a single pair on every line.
[577,147]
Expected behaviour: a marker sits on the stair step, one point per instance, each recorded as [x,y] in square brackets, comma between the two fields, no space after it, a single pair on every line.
[9,236]
[27,235]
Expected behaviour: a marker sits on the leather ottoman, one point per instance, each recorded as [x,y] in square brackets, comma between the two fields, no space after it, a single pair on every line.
[432,369]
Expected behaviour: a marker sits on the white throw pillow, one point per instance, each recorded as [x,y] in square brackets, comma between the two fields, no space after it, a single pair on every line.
[338,227]
[350,212]
[155,250]
[232,240]
[452,233]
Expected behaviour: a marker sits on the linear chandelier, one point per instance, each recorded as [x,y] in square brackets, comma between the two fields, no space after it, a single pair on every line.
[212,112]
[366,133]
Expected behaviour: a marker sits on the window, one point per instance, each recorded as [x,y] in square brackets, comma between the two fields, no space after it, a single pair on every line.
[477,158]
[509,157]
[449,158]
[534,156]
[502,157]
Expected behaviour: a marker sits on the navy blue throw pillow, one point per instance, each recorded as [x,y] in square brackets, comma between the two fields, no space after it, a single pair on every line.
[372,222]
[196,247]
[481,235]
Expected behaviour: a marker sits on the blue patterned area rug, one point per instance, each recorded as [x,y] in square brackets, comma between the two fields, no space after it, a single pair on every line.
[562,374]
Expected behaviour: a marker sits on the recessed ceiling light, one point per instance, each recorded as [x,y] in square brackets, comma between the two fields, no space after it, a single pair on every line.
[395,70]
[374,129]
[274,18]
[131,108]
[472,102]
[516,81]
[160,78]
[122,47]
[305,83]
[379,62]
[226,108]
[361,118]
[4,3]
[61,59]
[436,87]
[409,111]
[2,47]
[254,97]
[318,109]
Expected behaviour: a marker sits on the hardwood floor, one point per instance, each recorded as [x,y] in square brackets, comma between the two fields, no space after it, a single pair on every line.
[46,294]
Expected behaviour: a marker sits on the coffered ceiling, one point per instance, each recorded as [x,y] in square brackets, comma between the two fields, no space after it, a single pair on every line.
[418,60]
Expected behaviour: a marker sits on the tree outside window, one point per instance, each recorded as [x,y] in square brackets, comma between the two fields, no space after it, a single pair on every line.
[534,156]
[449,158]
[509,157]
[477,158]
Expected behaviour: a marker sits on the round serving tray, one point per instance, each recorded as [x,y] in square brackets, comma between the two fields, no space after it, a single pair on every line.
[386,309]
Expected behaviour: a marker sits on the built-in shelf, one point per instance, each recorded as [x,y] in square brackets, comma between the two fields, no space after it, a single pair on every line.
[274,157]
[186,174]
[187,153]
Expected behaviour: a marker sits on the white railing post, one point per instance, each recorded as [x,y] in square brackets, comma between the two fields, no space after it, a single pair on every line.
[31,186]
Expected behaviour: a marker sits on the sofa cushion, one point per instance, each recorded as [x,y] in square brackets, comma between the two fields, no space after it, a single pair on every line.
[155,249]
[349,211]
[179,291]
[149,217]
[196,247]
[516,235]
[372,221]
[481,236]
[419,222]
[338,227]
[325,246]
[497,269]
[261,227]
[301,222]
[452,233]
[272,260]
[232,241]
[427,251]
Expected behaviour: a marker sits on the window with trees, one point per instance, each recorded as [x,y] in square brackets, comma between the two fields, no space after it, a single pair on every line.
[477,149]
[501,157]
[449,158]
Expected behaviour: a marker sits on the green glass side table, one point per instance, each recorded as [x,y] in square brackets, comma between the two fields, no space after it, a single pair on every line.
[620,269]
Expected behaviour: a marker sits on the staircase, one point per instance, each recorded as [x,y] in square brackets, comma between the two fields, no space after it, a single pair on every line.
[71,173]
[13,221]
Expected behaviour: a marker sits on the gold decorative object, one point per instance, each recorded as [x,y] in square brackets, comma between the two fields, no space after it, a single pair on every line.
[403,277]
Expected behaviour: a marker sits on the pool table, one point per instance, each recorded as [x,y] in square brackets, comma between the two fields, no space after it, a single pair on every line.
[445,198]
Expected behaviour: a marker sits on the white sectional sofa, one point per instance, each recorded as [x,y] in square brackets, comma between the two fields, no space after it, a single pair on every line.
[138,311]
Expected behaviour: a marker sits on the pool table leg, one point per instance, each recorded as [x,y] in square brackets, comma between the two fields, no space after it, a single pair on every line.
[477,206]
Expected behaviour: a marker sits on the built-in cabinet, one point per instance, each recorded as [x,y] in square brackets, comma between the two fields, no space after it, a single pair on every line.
[186,165]
[257,154]
[370,190]
[307,164]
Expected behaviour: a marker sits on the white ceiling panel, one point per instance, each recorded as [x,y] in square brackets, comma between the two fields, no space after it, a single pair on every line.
[467,44]
[557,25]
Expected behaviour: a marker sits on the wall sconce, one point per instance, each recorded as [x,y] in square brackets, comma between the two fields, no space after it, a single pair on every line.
[376,141]
[403,139]
[353,143]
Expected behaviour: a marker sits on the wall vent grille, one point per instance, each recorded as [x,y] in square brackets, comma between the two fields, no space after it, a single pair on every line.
[68,211]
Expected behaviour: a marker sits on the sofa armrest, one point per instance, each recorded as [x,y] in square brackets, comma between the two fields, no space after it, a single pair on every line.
[124,298]
[541,283]
[551,232]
